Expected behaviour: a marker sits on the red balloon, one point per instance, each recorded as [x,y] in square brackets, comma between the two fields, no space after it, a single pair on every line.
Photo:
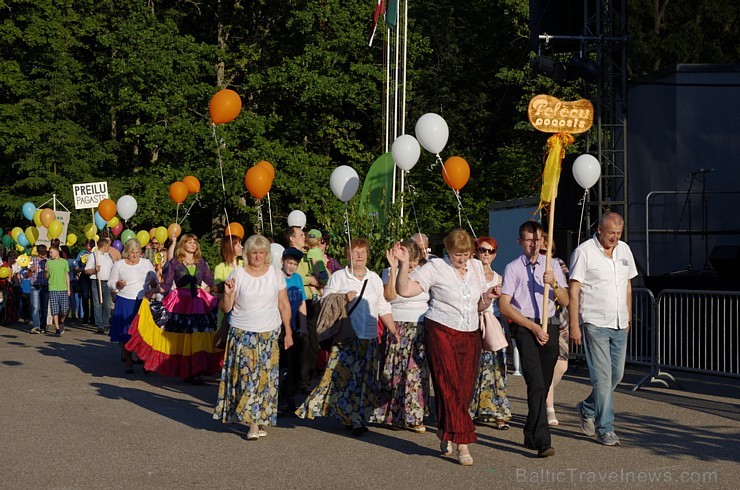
[116,230]
[258,181]
[178,192]
[225,106]
[456,172]
[107,209]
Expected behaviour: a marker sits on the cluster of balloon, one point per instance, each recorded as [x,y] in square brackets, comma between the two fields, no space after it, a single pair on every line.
[225,106]
[259,178]
[180,190]
[586,170]
[297,218]
[344,183]
[456,172]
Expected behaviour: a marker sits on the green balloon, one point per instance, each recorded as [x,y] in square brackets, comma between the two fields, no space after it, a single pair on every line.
[8,241]
[127,235]
[1,231]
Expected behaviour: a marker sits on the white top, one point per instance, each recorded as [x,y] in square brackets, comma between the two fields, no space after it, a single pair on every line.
[134,275]
[256,301]
[105,262]
[408,309]
[455,299]
[373,302]
[604,280]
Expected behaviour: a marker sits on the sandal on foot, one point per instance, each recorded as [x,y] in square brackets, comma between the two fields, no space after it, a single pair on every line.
[502,426]
[445,447]
[465,459]
[419,429]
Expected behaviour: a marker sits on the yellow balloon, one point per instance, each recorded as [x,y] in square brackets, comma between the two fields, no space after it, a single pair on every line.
[84,258]
[37,217]
[96,238]
[23,260]
[161,234]
[113,222]
[55,229]
[15,232]
[19,248]
[71,239]
[90,230]
[32,233]
[143,237]
[4,272]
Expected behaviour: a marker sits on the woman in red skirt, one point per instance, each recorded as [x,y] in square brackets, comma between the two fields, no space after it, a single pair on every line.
[453,340]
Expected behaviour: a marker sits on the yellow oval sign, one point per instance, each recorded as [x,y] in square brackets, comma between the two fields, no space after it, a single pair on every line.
[551,115]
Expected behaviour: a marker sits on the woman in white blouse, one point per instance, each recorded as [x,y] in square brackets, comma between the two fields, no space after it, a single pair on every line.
[127,280]
[257,298]
[404,379]
[458,291]
[347,389]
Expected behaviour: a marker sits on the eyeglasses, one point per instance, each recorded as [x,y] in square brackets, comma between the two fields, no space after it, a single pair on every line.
[155,243]
[484,250]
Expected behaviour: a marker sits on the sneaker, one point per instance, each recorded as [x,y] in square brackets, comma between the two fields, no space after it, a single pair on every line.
[608,439]
[36,330]
[587,424]
[552,421]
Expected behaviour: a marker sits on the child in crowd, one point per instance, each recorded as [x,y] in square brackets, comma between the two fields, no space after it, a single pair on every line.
[290,368]
[57,273]
[315,256]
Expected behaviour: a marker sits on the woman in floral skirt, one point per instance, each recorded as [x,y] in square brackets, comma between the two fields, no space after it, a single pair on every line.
[404,380]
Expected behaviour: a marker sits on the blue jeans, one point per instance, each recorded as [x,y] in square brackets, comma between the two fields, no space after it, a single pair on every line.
[606,351]
[39,305]
[101,311]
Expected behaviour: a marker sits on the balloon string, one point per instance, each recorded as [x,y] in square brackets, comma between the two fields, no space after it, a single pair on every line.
[177,213]
[259,216]
[218,153]
[187,213]
[437,159]
[460,211]
[269,211]
[349,236]
[583,207]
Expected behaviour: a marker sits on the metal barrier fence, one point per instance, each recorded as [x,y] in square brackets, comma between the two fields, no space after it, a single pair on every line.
[683,330]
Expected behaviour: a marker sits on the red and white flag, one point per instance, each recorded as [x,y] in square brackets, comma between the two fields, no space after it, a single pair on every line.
[379,9]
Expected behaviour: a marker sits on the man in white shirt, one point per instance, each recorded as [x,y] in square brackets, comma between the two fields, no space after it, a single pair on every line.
[98,268]
[600,313]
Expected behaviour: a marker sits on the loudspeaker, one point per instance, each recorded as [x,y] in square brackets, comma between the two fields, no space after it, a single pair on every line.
[725,259]
[556,17]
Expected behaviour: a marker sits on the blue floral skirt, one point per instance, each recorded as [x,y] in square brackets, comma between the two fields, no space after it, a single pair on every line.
[248,391]
[404,380]
[347,390]
[489,402]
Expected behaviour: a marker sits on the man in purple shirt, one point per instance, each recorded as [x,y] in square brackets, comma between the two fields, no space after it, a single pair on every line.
[521,301]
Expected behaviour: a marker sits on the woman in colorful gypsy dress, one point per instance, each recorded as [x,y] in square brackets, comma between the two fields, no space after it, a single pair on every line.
[174,337]
[490,403]
[257,298]
[347,390]
[127,279]
[404,380]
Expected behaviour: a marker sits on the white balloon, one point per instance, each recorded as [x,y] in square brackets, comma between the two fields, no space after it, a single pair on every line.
[405,152]
[126,207]
[432,132]
[586,170]
[297,218]
[344,182]
[276,254]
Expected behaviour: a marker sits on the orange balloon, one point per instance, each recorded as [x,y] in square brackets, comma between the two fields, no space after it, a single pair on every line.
[174,229]
[192,183]
[225,106]
[258,181]
[47,217]
[269,167]
[178,192]
[456,172]
[235,229]
[107,209]
[152,231]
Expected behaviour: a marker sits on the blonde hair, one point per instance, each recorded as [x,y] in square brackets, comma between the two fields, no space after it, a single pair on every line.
[257,243]
[180,248]
[459,241]
[132,244]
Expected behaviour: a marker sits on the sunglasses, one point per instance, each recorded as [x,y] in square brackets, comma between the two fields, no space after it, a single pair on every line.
[484,250]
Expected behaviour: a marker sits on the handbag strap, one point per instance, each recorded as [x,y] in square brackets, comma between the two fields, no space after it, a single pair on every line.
[357,301]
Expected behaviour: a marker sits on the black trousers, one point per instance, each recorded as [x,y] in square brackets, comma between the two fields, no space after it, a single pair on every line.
[290,371]
[85,286]
[310,345]
[538,363]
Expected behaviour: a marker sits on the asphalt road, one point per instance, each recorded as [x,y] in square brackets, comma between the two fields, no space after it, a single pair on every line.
[71,418]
